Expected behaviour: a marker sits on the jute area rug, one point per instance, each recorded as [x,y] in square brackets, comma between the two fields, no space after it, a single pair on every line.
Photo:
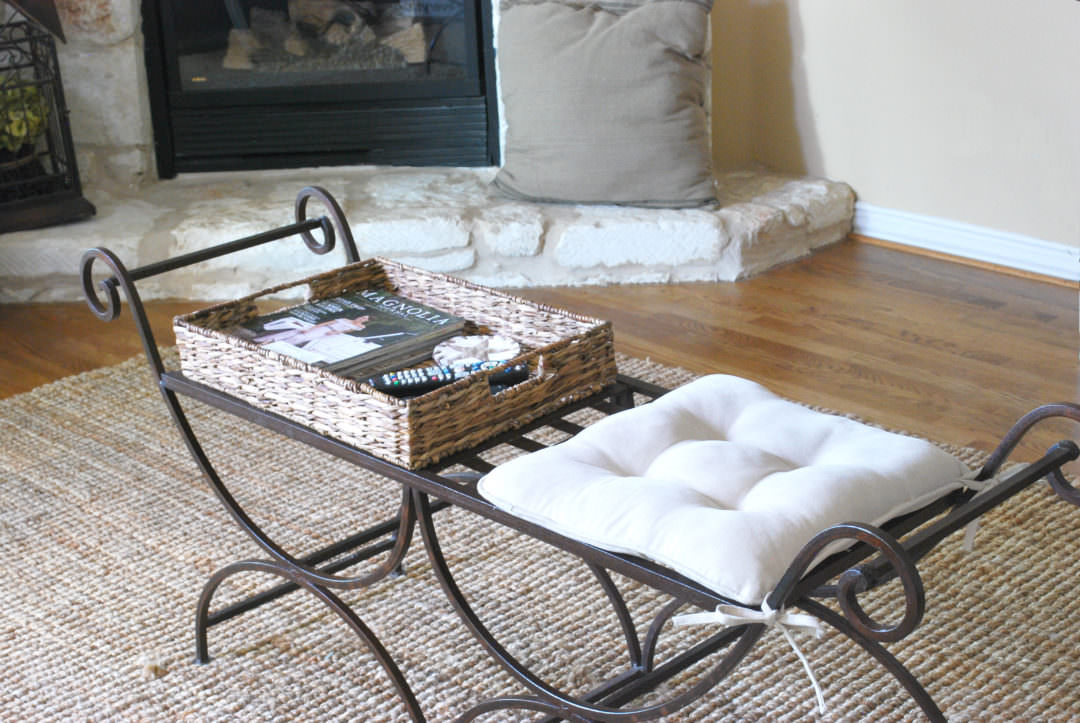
[108,532]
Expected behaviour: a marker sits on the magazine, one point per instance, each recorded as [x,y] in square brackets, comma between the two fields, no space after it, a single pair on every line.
[355,334]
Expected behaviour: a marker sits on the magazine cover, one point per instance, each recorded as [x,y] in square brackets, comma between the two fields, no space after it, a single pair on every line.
[353,332]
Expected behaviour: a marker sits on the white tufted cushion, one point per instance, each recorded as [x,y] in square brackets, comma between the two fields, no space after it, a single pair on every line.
[722,481]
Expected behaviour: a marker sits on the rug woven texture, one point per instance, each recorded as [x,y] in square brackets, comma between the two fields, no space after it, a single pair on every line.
[108,532]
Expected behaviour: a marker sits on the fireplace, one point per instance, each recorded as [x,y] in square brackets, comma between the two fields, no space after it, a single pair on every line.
[253,84]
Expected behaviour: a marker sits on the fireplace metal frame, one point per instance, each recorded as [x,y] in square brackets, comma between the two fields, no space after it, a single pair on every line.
[445,123]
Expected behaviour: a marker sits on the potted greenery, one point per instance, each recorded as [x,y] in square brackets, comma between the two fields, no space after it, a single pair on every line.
[24,118]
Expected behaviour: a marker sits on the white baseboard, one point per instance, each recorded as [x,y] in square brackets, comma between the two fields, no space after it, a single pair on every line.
[970,242]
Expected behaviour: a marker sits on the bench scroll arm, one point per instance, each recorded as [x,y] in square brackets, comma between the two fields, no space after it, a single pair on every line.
[1065,410]
[108,309]
[859,579]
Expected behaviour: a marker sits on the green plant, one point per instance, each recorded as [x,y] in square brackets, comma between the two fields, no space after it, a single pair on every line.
[24,114]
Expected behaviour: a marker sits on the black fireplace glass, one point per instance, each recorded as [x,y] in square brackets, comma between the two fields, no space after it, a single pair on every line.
[323,42]
[277,83]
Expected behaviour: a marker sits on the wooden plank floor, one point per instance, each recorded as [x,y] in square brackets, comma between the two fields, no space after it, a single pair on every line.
[945,350]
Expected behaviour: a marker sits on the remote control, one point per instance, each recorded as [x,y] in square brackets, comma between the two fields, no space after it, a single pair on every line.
[508,377]
[411,382]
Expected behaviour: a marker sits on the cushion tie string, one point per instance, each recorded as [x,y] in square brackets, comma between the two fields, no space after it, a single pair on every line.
[732,615]
[980,486]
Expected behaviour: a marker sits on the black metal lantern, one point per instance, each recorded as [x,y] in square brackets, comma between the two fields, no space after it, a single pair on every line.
[39,179]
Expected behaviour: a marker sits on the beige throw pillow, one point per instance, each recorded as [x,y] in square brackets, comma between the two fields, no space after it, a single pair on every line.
[605,107]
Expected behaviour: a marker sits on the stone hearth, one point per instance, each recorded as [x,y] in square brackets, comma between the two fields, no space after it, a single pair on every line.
[443,219]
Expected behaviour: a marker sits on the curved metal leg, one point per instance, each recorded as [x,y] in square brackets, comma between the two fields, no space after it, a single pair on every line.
[887,659]
[549,698]
[296,571]
[854,622]
[299,572]
[332,601]
[407,517]
[652,638]
[515,703]
[633,646]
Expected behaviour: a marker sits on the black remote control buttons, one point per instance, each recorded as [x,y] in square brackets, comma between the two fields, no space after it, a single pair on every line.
[412,382]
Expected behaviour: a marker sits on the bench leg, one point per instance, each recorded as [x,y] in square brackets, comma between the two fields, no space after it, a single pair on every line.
[547,699]
[887,659]
[405,693]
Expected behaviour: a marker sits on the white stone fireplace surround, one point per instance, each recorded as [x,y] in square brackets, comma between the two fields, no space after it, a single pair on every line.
[443,219]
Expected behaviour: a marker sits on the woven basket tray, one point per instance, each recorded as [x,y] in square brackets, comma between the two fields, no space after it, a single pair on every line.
[569,357]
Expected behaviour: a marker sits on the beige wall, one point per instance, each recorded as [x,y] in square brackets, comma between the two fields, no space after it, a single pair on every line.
[966,110]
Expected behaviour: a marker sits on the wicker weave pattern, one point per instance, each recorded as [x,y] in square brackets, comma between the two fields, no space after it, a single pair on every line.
[570,356]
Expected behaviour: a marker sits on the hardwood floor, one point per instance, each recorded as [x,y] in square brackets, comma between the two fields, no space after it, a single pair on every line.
[945,350]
